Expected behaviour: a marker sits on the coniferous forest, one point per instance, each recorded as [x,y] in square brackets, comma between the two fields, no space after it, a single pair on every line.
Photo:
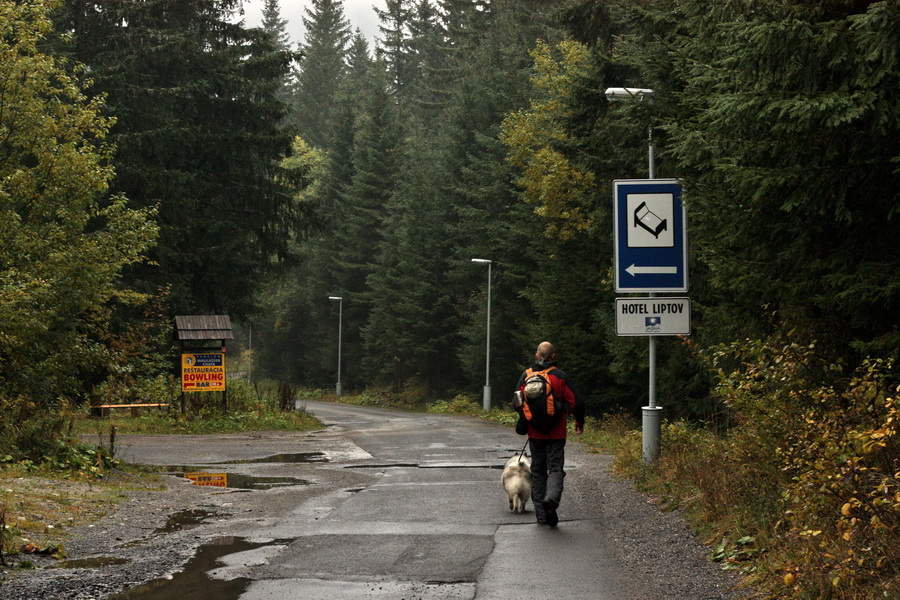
[481,130]
[238,173]
[162,158]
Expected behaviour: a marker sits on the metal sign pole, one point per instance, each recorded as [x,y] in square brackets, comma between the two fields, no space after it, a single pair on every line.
[340,343]
[655,260]
[486,400]
[340,301]
[651,424]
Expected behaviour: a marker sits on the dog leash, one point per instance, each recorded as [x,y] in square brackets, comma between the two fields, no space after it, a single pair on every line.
[522,453]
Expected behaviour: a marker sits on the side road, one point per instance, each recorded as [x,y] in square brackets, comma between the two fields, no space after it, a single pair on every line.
[381,504]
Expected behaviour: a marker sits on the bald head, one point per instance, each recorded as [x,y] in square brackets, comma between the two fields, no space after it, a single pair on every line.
[545,351]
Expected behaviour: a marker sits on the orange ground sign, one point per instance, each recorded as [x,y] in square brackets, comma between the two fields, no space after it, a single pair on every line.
[208,479]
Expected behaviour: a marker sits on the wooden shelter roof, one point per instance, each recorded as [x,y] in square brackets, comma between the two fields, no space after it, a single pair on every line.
[203,327]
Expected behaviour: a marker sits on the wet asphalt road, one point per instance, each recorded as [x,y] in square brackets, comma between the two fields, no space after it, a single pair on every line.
[384,504]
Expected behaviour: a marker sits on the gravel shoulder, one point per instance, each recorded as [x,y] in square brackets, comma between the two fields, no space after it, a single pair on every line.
[654,547]
[153,534]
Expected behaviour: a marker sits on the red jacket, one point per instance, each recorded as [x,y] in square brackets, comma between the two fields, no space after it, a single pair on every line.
[562,388]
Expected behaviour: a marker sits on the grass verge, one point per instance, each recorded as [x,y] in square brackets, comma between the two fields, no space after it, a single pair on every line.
[41,500]
[39,506]
[206,422]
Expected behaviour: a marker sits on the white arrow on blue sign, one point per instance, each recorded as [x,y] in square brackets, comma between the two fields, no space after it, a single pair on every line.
[650,236]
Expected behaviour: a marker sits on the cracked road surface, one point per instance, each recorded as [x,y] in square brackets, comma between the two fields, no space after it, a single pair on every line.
[386,504]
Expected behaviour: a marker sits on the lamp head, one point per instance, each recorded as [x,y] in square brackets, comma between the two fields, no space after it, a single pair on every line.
[616,94]
[483,261]
[335,298]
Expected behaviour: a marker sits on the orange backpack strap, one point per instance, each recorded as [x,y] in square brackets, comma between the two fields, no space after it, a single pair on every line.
[525,409]
[551,402]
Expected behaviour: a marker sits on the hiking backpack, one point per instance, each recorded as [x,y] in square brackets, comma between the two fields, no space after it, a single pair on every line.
[542,409]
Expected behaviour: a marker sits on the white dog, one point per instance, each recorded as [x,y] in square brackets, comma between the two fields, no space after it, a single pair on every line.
[516,480]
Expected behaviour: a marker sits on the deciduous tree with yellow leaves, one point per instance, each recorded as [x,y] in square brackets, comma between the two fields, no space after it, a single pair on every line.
[63,240]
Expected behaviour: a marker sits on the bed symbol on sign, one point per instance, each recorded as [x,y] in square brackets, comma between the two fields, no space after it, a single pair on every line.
[651,220]
[646,218]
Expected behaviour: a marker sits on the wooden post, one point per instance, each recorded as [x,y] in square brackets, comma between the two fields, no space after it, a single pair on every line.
[225,373]
[178,372]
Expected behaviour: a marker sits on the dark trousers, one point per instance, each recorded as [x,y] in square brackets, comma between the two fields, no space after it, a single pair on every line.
[547,460]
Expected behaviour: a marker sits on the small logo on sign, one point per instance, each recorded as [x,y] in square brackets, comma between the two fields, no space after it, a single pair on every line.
[653,323]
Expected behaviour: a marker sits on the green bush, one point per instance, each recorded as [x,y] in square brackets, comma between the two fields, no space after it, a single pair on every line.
[47,441]
[842,502]
[802,494]
[122,389]
[412,397]
[463,404]
[820,451]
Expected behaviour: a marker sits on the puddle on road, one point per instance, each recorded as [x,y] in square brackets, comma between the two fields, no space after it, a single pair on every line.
[185,519]
[418,466]
[301,457]
[180,470]
[236,480]
[193,582]
[90,563]
[254,482]
[385,466]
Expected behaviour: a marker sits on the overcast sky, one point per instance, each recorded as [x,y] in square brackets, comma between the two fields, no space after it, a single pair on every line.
[358,12]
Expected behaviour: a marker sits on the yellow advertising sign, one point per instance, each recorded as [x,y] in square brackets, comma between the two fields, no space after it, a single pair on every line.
[203,372]
[208,479]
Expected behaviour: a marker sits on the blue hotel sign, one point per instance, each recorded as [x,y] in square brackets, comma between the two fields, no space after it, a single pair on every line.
[650,236]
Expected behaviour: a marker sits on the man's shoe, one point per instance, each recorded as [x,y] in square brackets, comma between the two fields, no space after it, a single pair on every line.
[552,519]
[550,507]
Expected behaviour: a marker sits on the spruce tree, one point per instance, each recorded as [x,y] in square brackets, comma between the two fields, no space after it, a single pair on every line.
[426,63]
[413,324]
[321,69]
[790,171]
[275,26]
[489,220]
[393,45]
[363,208]
[194,95]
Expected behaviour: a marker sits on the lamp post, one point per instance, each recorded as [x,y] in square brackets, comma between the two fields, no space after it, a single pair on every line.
[340,301]
[486,404]
[651,422]
[619,94]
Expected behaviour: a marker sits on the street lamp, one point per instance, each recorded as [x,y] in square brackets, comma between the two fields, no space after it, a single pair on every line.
[619,94]
[652,414]
[340,302]
[487,361]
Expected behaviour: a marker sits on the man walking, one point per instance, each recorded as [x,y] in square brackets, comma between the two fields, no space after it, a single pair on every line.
[546,389]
